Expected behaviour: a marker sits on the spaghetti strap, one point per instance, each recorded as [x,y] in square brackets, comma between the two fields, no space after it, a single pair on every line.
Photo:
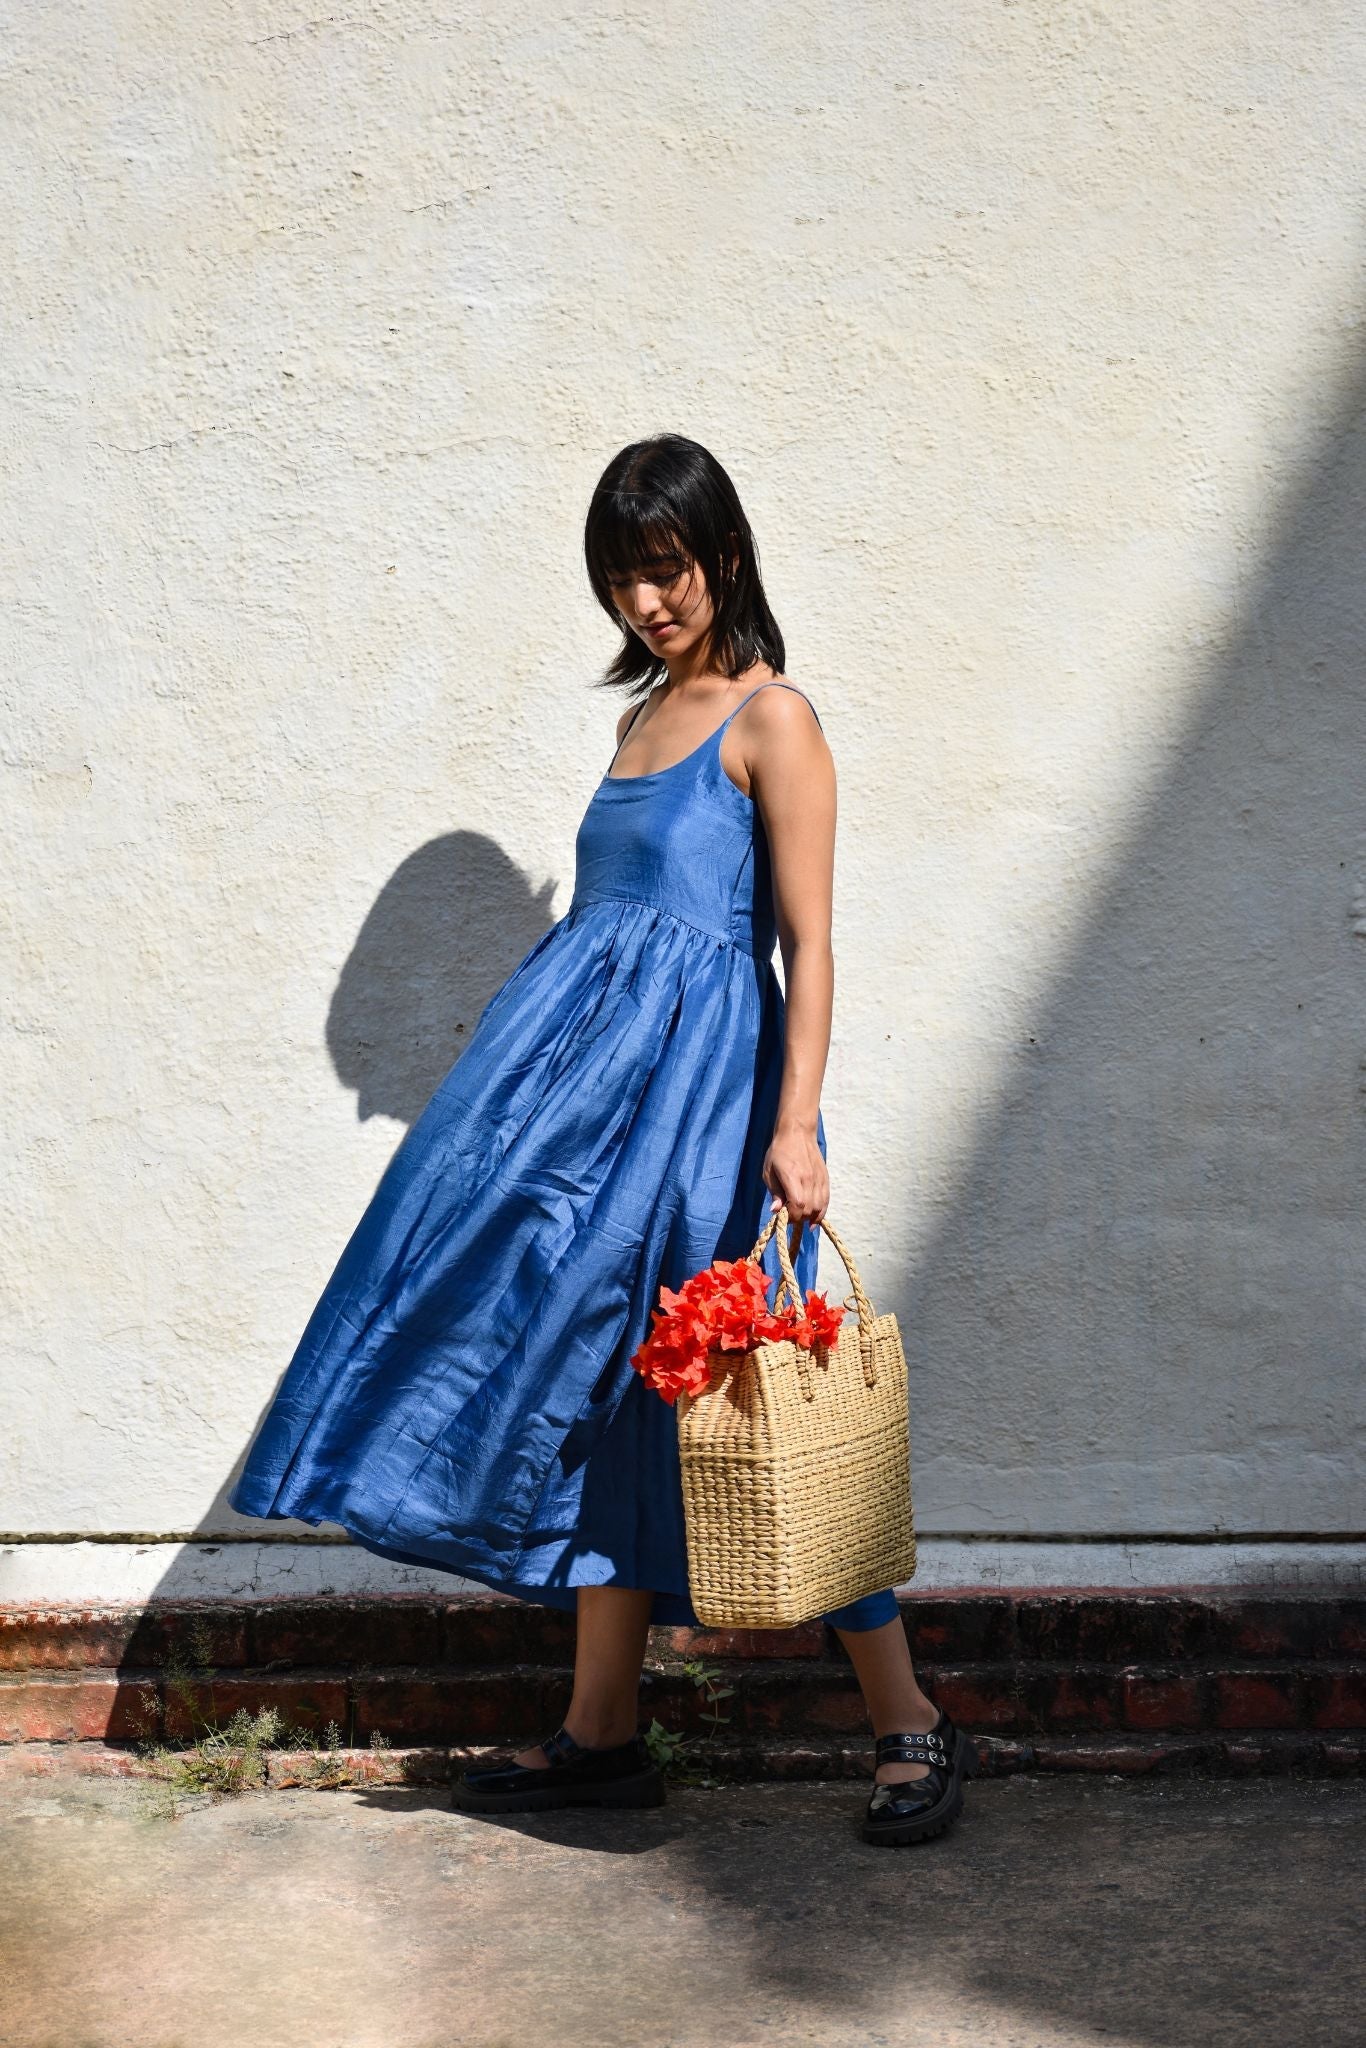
[713,738]
[629,723]
[773,683]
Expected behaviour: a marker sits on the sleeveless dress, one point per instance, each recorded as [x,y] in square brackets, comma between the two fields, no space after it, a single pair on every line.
[462,1395]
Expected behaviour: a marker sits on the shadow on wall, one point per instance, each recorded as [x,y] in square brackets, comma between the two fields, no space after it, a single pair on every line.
[1142,1314]
[445,932]
[1145,1309]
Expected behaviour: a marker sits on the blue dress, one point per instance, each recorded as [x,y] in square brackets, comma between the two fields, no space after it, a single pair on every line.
[462,1395]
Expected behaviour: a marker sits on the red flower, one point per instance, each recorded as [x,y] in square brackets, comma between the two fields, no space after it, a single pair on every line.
[723,1308]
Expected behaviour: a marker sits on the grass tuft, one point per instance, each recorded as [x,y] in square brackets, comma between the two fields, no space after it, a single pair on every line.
[225,1758]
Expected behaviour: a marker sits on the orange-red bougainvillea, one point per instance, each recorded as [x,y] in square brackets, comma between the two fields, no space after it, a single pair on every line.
[723,1308]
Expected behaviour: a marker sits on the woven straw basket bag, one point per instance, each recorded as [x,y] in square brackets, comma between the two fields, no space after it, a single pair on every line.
[796,1467]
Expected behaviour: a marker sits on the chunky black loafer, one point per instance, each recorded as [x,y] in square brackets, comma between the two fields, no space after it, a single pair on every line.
[918,1808]
[574,1776]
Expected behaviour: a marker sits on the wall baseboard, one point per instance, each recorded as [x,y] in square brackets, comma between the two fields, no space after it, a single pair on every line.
[98,1572]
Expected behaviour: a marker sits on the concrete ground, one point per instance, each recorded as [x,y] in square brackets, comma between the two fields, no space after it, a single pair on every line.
[1061,1912]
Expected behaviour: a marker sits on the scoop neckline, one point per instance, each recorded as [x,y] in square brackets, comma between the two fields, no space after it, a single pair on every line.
[655,773]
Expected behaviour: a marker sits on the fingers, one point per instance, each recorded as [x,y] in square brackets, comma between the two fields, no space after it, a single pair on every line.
[806,1201]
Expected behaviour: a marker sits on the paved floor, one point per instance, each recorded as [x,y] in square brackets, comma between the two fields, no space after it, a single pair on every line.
[1061,1912]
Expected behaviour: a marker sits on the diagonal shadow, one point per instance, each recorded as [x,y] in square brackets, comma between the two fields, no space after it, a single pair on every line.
[1144,1309]
[1143,1312]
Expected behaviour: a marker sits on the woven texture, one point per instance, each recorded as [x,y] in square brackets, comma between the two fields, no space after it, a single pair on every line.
[796,1468]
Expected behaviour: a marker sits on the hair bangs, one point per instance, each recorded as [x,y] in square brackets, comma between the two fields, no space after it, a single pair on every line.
[662,504]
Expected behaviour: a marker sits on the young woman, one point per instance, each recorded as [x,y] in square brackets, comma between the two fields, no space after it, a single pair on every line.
[633,1101]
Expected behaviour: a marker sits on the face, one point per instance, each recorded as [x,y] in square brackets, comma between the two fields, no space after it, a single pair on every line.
[666,604]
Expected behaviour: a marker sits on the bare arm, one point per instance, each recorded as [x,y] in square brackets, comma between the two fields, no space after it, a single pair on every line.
[792,780]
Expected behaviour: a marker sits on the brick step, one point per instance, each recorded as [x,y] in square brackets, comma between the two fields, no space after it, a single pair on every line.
[479,1668]
[772,1699]
[1100,1628]
[1255,1754]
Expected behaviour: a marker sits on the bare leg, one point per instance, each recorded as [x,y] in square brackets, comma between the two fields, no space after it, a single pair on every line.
[882,1659]
[608,1653]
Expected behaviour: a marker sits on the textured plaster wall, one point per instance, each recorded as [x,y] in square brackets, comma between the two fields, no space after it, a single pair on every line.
[1033,336]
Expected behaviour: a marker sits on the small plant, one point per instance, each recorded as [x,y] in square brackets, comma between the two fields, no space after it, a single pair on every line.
[673,1752]
[665,1745]
[707,1679]
[222,1760]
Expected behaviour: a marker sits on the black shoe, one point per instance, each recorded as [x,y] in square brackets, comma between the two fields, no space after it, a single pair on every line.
[574,1776]
[918,1808]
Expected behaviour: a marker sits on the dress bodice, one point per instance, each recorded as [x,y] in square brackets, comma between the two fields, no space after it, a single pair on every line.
[685,840]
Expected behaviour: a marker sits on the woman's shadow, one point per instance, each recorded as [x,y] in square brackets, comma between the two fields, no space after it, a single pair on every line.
[444,933]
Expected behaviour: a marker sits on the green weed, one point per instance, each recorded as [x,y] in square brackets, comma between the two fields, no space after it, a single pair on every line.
[224,1758]
[677,1755]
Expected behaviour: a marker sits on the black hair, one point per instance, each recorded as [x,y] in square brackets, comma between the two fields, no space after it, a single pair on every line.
[656,504]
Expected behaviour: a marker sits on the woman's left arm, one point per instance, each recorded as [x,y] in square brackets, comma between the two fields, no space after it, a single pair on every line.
[792,780]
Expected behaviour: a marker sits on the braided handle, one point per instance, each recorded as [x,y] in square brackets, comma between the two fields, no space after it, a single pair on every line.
[788,1285]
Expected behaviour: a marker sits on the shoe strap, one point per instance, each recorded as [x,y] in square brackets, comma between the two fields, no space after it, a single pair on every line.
[561,1746]
[912,1749]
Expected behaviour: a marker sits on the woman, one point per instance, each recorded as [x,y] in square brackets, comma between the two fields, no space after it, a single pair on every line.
[463,1394]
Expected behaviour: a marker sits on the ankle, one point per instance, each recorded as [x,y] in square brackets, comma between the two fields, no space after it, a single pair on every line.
[916,1714]
[601,1728]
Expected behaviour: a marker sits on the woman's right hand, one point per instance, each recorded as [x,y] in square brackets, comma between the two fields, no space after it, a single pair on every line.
[795,1172]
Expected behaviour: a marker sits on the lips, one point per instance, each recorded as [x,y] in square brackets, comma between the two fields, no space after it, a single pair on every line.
[667,627]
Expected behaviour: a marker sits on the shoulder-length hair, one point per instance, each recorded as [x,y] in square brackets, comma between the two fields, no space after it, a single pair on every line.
[657,504]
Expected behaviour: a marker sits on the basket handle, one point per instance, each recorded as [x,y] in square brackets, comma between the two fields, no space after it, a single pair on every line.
[780,1221]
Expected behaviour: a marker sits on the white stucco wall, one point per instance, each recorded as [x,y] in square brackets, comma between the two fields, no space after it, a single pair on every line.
[1033,337]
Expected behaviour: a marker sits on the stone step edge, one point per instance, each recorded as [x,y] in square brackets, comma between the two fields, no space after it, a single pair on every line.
[1251,1754]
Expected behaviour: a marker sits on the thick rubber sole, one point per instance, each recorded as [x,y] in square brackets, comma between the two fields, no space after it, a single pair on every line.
[646,1788]
[935,1819]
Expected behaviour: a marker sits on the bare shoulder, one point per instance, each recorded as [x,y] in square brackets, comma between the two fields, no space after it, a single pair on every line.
[784,713]
[776,734]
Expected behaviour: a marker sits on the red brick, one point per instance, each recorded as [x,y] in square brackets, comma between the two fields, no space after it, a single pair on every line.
[838,1710]
[1110,1628]
[395,1629]
[480,1631]
[771,1699]
[806,1641]
[1256,1699]
[961,1628]
[457,1706]
[1260,1625]
[1080,1697]
[978,1696]
[87,1706]
[81,1638]
[1346,1632]
[63,1639]
[1336,1699]
[308,1702]
[1164,1699]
